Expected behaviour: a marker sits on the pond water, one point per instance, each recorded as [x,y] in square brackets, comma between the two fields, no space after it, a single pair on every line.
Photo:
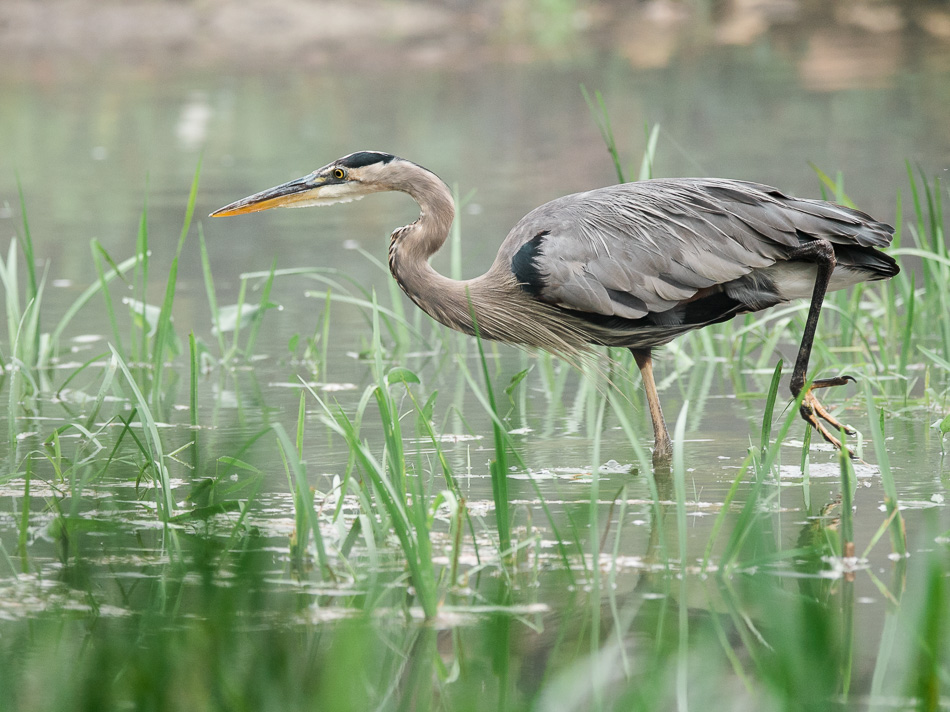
[700,583]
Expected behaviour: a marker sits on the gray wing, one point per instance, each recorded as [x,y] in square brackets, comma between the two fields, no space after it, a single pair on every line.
[646,247]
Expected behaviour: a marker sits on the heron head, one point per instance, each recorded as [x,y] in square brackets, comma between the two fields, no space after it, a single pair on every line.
[348,178]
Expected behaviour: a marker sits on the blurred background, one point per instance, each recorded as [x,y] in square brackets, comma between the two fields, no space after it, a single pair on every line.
[103,103]
[107,107]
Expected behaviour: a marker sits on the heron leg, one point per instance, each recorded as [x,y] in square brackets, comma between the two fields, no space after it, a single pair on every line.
[813,412]
[663,446]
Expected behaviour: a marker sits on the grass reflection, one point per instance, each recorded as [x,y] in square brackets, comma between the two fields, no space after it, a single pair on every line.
[210,632]
[151,560]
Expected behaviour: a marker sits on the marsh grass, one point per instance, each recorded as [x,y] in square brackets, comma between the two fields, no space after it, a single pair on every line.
[398,589]
[154,449]
[395,500]
[498,466]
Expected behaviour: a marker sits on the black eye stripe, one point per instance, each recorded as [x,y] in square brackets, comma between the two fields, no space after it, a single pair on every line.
[365,158]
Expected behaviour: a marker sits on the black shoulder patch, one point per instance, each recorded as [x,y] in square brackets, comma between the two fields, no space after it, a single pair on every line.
[525,266]
[365,158]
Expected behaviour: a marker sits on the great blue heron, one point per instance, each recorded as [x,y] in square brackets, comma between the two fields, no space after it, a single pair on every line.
[632,265]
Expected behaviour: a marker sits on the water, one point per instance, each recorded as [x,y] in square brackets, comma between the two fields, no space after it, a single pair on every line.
[91,142]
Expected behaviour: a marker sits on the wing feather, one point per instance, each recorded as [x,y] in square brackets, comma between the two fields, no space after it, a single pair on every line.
[647,247]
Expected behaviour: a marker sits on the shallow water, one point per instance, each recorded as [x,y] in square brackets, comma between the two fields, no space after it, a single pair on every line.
[90,143]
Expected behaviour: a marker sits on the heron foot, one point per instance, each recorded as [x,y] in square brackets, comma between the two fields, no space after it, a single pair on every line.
[836,381]
[813,412]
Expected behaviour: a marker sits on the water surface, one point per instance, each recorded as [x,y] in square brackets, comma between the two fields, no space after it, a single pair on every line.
[92,144]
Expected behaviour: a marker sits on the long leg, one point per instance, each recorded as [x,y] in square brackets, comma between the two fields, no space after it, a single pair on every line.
[823,255]
[663,446]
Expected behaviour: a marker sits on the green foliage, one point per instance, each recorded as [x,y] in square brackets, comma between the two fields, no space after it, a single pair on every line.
[147,535]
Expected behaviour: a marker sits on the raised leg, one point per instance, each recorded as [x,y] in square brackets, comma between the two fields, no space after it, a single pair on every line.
[823,255]
[663,446]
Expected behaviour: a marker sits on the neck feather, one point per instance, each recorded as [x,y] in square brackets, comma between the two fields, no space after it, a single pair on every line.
[445,300]
[503,310]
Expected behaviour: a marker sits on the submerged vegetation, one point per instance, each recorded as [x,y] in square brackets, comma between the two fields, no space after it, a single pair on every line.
[166,542]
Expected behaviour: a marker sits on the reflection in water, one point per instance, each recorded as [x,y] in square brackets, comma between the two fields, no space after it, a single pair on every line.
[102,607]
[220,599]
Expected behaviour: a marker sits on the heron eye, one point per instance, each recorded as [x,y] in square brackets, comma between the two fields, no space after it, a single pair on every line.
[339,174]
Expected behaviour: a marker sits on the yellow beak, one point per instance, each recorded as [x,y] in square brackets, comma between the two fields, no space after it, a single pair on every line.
[296,193]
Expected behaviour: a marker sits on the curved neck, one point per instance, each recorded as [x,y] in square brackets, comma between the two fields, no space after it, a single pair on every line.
[503,310]
[445,300]
[437,211]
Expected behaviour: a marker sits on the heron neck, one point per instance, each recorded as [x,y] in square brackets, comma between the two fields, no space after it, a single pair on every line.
[446,300]
[426,235]
[504,311]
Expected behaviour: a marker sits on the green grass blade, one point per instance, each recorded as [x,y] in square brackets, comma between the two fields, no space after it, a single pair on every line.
[189,210]
[301,422]
[770,408]
[724,511]
[193,398]
[499,466]
[163,333]
[834,186]
[11,291]
[209,290]
[392,328]
[166,502]
[891,501]
[98,252]
[264,306]
[645,467]
[679,487]
[22,538]
[88,294]
[389,414]
[27,243]
[649,153]
[928,670]
[599,111]
[141,253]
[595,534]
[394,504]
[164,330]
[848,481]
[303,498]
